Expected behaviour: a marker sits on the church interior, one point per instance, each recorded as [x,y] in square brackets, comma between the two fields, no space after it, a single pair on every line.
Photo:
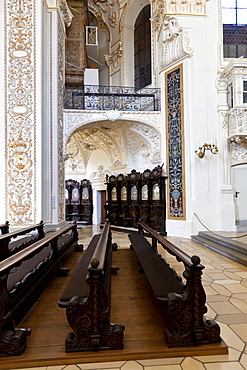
[124,158]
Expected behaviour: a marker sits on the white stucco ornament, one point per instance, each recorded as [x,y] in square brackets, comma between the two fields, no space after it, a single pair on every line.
[175,43]
[113,115]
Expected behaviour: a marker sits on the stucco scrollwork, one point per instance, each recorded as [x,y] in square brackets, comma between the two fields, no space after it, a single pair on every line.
[74,160]
[237,134]
[237,122]
[175,43]
[162,7]
[61,174]
[222,84]
[66,13]
[239,151]
[20,118]
[138,147]
[113,60]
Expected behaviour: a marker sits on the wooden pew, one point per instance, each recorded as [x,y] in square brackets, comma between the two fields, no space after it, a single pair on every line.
[77,285]
[184,302]
[8,246]
[88,313]
[4,228]
[23,277]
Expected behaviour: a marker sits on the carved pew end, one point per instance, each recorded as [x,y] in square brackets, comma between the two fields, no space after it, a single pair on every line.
[13,343]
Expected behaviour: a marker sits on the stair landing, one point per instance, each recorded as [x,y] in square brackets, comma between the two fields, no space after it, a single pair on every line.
[227,244]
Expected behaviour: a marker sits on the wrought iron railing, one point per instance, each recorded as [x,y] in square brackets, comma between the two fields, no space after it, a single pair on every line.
[94,97]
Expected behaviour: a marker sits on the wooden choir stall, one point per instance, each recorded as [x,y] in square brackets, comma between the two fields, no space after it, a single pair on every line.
[137,196]
[79,201]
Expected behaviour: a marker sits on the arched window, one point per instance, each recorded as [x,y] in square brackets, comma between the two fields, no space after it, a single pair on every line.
[234,18]
[142,48]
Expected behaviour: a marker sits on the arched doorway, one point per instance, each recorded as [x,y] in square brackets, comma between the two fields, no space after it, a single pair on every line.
[105,147]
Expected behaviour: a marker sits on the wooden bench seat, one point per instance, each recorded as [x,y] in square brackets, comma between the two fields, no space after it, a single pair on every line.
[184,302]
[77,285]
[160,276]
[15,241]
[89,316]
[23,277]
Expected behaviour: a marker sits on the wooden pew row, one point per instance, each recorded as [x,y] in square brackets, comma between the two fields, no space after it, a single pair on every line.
[8,246]
[4,228]
[184,302]
[88,312]
[23,277]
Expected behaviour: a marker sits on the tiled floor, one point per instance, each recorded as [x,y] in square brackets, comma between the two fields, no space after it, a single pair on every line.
[225,283]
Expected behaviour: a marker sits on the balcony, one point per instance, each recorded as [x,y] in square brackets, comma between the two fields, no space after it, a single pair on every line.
[237,123]
[94,97]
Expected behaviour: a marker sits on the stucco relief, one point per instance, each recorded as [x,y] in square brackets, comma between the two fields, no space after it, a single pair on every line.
[175,43]
[60,78]
[92,138]
[237,122]
[237,134]
[116,139]
[161,8]
[74,160]
[148,132]
[66,13]
[73,120]
[239,151]
[20,119]
[113,60]
[138,147]
[110,9]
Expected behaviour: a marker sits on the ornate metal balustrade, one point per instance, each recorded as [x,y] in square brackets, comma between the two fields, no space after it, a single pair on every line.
[94,97]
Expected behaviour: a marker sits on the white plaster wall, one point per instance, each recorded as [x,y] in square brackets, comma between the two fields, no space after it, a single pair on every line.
[97,158]
[203,177]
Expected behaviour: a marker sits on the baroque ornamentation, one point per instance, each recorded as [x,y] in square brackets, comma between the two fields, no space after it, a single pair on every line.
[237,122]
[113,60]
[60,79]
[115,139]
[161,8]
[175,44]
[20,118]
[239,150]
[74,120]
[67,15]
[138,146]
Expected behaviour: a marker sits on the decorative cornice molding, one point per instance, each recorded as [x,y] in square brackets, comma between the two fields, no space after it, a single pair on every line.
[237,66]
[162,8]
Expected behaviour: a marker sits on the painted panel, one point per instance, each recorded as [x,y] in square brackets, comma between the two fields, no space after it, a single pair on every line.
[175,147]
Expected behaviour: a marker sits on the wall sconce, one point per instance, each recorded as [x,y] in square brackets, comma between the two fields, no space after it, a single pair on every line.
[200,152]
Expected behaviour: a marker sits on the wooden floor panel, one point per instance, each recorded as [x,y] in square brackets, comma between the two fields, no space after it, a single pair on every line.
[133,305]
